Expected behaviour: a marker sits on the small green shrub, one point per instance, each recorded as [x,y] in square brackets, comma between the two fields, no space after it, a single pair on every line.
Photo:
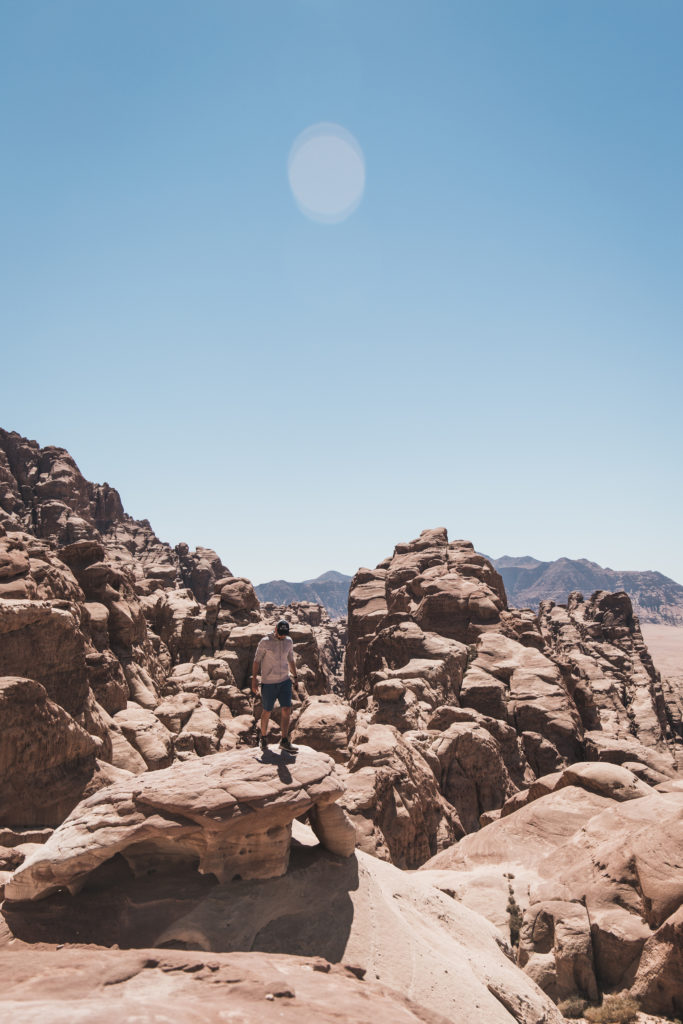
[614,1010]
[572,1007]
[514,912]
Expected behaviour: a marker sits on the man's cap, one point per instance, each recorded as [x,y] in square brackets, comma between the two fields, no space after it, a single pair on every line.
[282,628]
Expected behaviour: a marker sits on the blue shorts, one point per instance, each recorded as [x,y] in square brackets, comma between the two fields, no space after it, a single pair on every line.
[282,692]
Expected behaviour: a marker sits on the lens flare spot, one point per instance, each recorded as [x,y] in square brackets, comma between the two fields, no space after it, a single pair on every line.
[326,171]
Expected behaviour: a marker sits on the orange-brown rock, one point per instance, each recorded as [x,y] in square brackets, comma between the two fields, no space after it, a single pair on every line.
[394,800]
[46,758]
[595,864]
[231,811]
[110,986]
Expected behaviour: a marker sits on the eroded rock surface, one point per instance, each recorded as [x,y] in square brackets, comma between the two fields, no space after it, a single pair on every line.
[491,697]
[595,861]
[393,927]
[230,812]
[600,645]
[46,758]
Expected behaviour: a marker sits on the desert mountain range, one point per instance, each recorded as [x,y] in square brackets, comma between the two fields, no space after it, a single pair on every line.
[655,598]
[331,590]
[483,820]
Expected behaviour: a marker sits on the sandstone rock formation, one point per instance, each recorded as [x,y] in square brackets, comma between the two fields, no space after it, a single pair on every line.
[492,698]
[394,801]
[231,812]
[46,758]
[594,859]
[600,647]
[393,927]
[438,721]
[111,622]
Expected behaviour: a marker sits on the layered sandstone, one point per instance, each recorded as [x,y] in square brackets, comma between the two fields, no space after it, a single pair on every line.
[113,623]
[231,813]
[593,859]
[489,697]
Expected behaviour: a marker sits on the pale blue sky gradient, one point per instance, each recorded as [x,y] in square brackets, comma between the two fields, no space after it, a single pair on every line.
[491,342]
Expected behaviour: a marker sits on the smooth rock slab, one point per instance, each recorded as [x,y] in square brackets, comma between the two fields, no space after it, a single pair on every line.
[153,986]
[230,813]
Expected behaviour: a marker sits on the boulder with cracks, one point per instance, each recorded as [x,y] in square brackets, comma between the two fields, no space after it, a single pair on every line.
[230,813]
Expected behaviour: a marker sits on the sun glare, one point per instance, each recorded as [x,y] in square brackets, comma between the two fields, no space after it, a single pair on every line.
[326,171]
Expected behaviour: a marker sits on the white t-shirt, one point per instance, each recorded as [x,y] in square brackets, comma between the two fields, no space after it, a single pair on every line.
[274,658]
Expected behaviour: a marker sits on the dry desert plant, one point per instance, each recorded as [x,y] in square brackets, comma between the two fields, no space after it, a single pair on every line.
[617,1009]
[573,1007]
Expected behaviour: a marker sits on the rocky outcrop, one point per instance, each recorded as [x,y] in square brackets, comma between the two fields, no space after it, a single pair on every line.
[326,723]
[394,801]
[599,645]
[42,492]
[593,860]
[491,697]
[46,758]
[229,812]
[112,622]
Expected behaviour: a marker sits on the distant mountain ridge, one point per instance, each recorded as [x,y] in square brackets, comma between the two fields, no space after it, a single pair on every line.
[330,590]
[656,598]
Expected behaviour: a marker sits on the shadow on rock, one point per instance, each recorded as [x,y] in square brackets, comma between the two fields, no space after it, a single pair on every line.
[308,911]
[113,908]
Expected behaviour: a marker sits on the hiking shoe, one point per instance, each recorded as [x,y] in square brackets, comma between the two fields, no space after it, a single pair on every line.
[264,742]
[286,743]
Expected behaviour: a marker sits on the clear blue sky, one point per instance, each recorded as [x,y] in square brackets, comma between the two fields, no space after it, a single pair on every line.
[491,342]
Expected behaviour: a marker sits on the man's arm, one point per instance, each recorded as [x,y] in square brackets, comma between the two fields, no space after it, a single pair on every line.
[254,673]
[292,665]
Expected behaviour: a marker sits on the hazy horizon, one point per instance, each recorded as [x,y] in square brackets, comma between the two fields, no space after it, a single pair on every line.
[301,279]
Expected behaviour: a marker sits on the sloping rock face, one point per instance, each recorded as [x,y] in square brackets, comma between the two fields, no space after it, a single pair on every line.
[230,812]
[113,986]
[392,927]
[595,861]
[488,697]
[46,758]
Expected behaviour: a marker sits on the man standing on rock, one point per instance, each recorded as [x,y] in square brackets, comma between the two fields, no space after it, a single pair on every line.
[274,659]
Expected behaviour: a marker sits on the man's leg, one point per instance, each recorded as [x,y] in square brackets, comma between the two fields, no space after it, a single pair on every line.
[265,718]
[284,722]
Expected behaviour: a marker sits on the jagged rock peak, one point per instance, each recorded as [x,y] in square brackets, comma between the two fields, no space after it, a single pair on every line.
[43,492]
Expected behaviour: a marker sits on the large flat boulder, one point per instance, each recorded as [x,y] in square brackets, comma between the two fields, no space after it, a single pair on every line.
[231,813]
